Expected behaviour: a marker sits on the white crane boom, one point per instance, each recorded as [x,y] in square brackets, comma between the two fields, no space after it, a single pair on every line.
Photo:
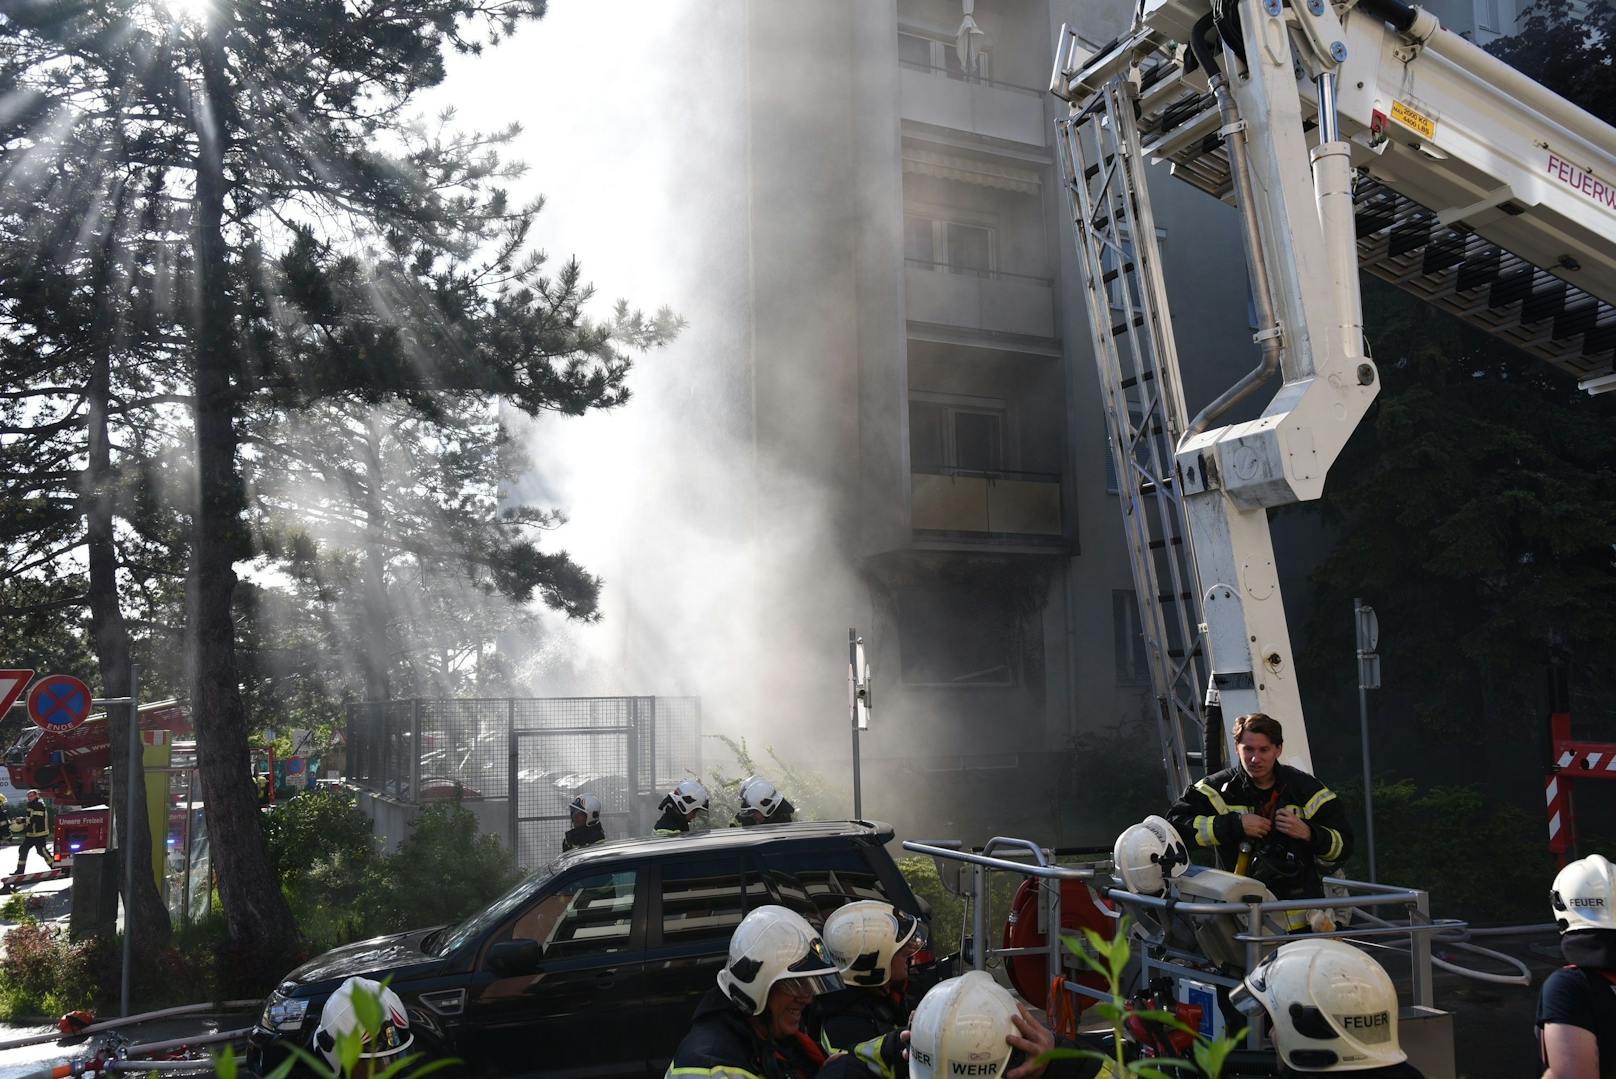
[1350,135]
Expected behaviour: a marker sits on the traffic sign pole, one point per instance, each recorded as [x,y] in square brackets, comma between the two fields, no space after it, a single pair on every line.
[129,824]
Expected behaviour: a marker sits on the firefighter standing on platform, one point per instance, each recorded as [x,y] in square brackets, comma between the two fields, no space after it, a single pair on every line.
[1266,820]
[35,832]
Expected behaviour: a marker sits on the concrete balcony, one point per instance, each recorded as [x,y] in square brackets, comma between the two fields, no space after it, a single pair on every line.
[984,300]
[1003,504]
[995,110]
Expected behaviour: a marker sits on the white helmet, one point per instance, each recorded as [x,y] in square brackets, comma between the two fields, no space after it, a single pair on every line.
[1147,854]
[774,944]
[960,1029]
[864,936]
[1332,1007]
[758,795]
[688,796]
[1584,895]
[588,805]
[341,1014]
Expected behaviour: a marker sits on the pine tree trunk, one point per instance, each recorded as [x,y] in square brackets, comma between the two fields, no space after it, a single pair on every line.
[256,915]
[378,683]
[148,917]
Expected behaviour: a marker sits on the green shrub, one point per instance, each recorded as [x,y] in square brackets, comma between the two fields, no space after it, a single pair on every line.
[948,910]
[43,973]
[17,908]
[1480,859]
[444,870]
[813,796]
[330,866]
[342,888]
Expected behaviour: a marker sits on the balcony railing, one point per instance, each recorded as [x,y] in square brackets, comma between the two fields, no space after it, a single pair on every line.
[991,503]
[981,106]
[975,271]
[960,76]
[992,301]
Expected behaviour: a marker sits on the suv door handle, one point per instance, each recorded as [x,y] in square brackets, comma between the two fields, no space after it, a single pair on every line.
[605,979]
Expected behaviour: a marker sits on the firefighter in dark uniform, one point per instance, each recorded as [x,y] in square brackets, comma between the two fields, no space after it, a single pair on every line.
[762,804]
[871,942]
[35,832]
[586,830]
[1576,1010]
[750,1026]
[680,806]
[1265,819]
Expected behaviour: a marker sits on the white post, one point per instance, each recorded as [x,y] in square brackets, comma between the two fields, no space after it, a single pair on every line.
[129,826]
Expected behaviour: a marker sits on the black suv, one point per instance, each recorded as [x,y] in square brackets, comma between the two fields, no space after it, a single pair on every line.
[592,966]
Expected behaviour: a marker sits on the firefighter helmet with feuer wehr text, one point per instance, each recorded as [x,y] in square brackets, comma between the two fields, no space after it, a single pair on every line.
[1584,895]
[1332,1008]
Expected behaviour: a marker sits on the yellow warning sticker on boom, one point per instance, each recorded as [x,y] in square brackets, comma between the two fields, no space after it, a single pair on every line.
[1414,120]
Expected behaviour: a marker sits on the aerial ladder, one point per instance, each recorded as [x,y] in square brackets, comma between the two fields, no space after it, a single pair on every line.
[1349,136]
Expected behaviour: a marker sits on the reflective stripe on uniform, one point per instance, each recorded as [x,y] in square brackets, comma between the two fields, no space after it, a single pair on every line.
[1204,835]
[1315,802]
[718,1071]
[869,1053]
[1218,804]
[1336,843]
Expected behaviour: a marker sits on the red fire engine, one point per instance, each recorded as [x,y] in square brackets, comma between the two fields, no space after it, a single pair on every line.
[72,768]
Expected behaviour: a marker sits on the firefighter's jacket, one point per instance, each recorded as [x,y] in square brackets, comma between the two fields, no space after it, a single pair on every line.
[672,822]
[1208,815]
[582,836]
[863,1021]
[38,821]
[722,1044]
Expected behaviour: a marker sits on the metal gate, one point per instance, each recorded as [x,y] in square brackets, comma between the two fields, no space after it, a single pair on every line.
[550,765]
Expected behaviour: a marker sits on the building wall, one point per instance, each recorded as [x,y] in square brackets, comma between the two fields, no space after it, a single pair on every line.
[915,300]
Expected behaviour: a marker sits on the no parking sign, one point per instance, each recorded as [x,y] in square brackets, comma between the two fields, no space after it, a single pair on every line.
[59,702]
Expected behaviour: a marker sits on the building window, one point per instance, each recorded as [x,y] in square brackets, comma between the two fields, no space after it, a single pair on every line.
[956,246]
[954,636]
[1133,664]
[956,434]
[925,52]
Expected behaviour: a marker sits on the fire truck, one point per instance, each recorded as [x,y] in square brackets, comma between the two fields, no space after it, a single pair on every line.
[1350,136]
[73,769]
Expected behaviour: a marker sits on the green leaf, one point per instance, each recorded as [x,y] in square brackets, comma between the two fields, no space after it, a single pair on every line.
[224,1065]
[1210,1056]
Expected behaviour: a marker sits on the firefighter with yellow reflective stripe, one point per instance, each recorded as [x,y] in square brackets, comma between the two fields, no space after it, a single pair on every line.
[750,1026]
[1266,819]
[871,943]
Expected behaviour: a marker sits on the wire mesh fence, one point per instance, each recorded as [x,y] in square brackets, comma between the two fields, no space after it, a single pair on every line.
[537,754]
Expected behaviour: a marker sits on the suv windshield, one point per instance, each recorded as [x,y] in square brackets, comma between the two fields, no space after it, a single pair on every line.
[490,915]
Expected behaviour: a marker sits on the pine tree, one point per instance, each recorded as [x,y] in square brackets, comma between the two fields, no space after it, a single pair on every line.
[328,253]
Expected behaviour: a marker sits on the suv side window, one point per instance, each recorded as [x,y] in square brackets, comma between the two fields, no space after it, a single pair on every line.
[587,916]
[707,897]
[813,881]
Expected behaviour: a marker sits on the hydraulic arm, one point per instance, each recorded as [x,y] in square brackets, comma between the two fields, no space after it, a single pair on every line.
[1349,136]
